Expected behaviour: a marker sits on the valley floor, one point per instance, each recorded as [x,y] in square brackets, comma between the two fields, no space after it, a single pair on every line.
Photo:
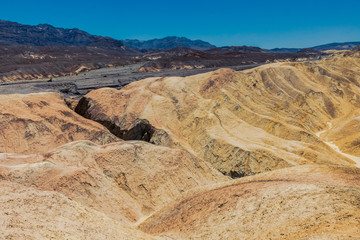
[116,77]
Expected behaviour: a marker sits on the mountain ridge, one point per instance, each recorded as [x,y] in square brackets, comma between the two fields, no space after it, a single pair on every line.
[336,46]
[323,47]
[13,34]
[168,43]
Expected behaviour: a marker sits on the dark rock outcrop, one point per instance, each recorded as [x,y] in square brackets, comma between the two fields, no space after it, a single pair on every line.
[139,129]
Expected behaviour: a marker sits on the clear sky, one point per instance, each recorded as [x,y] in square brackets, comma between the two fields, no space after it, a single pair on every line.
[267,24]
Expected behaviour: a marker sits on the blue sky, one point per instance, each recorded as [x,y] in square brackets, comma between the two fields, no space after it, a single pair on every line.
[267,24]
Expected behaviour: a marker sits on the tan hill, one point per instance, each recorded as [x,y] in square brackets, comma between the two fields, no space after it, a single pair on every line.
[36,123]
[27,213]
[241,122]
[122,182]
[303,202]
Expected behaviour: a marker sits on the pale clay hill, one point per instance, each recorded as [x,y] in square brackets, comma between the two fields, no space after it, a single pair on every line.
[291,125]
[37,123]
[303,202]
[121,182]
[28,213]
[244,122]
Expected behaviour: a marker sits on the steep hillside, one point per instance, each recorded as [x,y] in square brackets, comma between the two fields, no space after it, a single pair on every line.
[241,122]
[39,122]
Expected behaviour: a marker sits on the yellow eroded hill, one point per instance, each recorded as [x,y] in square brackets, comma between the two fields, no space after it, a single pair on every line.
[303,202]
[36,123]
[242,122]
[123,181]
[27,213]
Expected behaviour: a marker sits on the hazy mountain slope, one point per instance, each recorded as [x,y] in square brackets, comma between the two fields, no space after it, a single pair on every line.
[12,33]
[168,43]
[242,122]
[324,47]
[336,46]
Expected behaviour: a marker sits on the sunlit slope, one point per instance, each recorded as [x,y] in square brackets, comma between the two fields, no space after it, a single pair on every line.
[303,202]
[242,122]
[125,181]
[28,213]
[35,123]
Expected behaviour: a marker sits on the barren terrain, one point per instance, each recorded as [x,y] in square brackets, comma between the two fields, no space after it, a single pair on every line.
[264,151]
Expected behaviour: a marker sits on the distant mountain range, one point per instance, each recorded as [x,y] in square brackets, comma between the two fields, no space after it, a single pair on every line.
[336,46]
[169,43]
[325,47]
[13,34]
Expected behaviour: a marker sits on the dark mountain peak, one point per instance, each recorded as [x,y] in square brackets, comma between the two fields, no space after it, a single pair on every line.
[169,42]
